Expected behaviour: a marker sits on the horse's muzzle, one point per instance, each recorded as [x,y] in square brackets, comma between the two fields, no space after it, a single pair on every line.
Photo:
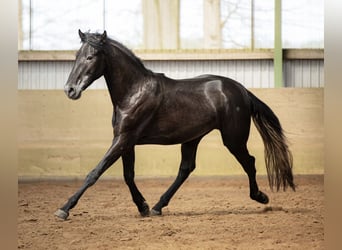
[72,92]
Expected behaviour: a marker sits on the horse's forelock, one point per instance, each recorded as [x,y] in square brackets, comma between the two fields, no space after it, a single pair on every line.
[94,39]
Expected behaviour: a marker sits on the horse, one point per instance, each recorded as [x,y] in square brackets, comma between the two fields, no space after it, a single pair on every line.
[151,108]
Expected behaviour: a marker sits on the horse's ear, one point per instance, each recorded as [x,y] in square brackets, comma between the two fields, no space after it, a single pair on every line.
[82,35]
[104,36]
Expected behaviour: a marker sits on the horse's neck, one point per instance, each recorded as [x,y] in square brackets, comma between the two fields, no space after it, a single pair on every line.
[121,81]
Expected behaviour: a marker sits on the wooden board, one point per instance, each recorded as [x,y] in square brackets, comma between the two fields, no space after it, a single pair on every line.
[61,138]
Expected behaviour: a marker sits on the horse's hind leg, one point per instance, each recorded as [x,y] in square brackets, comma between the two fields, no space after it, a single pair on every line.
[240,151]
[187,165]
[128,159]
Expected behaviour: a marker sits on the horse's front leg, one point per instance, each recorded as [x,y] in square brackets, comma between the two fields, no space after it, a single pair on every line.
[128,159]
[118,146]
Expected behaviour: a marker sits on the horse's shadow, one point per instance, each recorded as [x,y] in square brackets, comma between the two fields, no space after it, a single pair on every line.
[239,211]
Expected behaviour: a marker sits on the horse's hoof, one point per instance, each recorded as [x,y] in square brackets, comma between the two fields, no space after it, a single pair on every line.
[61,214]
[155,212]
[145,214]
[260,197]
[145,211]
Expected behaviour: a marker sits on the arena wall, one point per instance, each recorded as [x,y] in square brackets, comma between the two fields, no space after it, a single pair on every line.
[59,138]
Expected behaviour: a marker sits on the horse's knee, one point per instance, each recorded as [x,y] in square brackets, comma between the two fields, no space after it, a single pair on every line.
[92,177]
[129,178]
[186,169]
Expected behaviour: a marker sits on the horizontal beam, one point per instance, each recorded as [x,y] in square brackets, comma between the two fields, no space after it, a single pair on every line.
[303,53]
[206,55]
[154,55]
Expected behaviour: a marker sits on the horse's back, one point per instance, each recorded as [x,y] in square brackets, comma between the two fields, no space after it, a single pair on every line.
[215,91]
[225,99]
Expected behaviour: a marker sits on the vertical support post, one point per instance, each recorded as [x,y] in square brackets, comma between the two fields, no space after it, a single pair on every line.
[20,25]
[104,14]
[152,23]
[170,16]
[31,24]
[212,24]
[252,24]
[278,48]
[161,24]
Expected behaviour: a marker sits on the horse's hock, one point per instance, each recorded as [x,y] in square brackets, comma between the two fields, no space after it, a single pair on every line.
[59,138]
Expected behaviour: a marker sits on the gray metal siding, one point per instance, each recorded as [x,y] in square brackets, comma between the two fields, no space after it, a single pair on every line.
[251,73]
[47,75]
[304,73]
[256,73]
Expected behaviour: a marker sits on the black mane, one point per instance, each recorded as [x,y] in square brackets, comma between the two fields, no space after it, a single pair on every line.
[95,40]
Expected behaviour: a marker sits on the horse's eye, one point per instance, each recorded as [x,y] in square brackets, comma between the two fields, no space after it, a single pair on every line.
[89,58]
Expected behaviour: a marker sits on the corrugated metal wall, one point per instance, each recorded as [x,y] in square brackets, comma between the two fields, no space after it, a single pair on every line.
[304,73]
[251,73]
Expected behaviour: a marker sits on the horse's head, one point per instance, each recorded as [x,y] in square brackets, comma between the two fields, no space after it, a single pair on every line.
[89,64]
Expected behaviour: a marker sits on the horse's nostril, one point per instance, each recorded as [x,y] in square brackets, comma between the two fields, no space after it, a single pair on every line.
[71,90]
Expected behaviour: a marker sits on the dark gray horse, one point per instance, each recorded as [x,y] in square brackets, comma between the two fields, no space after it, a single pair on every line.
[150,108]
